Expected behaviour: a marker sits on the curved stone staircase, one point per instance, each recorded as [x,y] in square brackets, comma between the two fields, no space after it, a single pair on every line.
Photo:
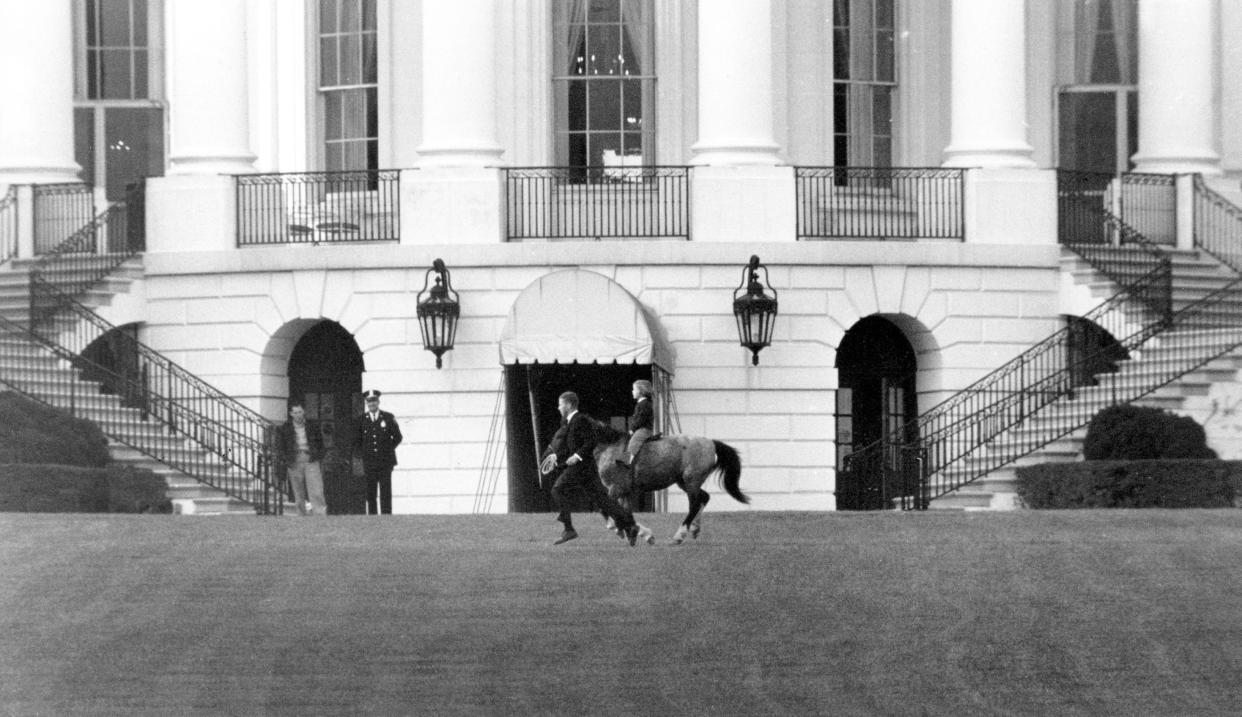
[34,370]
[1195,275]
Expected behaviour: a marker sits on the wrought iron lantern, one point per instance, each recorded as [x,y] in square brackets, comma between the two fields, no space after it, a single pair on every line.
[438,311]
[755,310]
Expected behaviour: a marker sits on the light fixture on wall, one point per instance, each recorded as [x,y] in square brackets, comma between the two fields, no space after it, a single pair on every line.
[755,310]
[438,311]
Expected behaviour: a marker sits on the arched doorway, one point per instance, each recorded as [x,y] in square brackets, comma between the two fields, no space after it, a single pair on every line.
[574,331]
[876,396]
[325,374]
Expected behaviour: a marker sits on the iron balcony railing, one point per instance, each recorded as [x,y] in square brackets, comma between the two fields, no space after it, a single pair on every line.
[59,211]
[8,224]
[1217,225]
[900,203]
[318,207]
[597,203]
[1148,204]
[91,252]
[176,417]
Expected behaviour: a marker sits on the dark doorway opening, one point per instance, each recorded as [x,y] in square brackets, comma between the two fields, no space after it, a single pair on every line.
[531,392]
[875,399]
[325,374]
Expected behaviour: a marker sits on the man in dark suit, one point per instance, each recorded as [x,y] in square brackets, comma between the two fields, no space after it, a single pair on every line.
[376,437]
[580,473]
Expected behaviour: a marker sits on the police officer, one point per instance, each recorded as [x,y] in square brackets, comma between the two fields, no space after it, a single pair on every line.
[376,437]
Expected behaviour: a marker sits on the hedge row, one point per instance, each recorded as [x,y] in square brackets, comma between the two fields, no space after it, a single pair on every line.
[73,489]
[33,433]
[1131,484]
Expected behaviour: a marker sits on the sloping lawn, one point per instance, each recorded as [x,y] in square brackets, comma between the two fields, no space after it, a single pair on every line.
[1030,613]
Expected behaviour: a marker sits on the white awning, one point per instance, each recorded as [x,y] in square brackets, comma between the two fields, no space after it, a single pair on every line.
[581,316]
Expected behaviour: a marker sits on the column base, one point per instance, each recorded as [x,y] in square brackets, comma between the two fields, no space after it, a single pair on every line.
[735,154]
[1205,164]
[1013,157]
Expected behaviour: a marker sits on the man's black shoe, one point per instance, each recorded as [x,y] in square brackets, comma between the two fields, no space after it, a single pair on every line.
[566,536]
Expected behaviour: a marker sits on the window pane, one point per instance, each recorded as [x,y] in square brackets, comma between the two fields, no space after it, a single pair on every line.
[632,96]
[93,70]
[114,23]
[603,105]
[372,123]
[116,74]
[633,143]
[351,17]
[1088,132]
[332,115]
[354,108]
[884,57]
[369,61]
[368,15]
[135,146]
[884,14]
[327,16]
[576,107]
[841,54]
[140,23]
[351,60]
[605,144]
[327,62]
[604,11]
[140,75]
[577,150]
[84,142]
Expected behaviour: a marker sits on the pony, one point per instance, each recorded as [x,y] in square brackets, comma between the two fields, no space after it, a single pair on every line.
[663,461]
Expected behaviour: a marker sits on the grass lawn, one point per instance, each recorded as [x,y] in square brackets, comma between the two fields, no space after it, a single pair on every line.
[1027,613]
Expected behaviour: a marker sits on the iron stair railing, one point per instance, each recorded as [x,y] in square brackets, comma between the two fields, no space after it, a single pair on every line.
[210,447]
[1217,225]
[231,435]
[910,465]
[92,252]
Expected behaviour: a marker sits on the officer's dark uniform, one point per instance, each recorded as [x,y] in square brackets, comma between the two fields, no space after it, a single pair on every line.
[375,441]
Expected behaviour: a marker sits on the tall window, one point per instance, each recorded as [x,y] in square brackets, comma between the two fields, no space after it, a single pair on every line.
[604,82]
[1097,104]
[348,88]
[864,82]
[118,119]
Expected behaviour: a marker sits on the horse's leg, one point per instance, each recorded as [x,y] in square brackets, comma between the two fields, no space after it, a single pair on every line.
[695,526]
[698,498]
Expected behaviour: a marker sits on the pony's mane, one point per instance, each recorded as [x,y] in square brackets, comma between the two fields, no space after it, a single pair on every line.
[605,433]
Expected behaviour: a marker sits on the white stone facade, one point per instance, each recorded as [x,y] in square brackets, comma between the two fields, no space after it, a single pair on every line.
[973,89]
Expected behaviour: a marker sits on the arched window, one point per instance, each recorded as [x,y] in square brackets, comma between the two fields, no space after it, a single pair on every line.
[604,82]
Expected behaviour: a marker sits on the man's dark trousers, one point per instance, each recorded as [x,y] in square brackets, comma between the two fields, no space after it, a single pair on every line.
[581,477]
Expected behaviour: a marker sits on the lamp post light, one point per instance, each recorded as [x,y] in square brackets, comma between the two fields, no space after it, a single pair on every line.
[438,311]
[755,310]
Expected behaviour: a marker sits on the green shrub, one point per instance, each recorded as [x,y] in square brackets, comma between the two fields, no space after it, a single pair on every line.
[1130,484]
[33,433]
[74,489]
[1128,432]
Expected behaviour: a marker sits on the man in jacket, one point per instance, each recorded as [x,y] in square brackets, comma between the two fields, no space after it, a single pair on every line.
[580,473]
[376,437]
[299,446]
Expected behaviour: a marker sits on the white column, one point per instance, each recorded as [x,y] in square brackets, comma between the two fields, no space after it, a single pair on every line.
[459,81]
[988,102]
[207,88]
[735,84]
[36,92]
[1178,86]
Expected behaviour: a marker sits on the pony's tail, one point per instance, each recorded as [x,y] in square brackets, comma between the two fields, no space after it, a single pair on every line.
[729,466]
